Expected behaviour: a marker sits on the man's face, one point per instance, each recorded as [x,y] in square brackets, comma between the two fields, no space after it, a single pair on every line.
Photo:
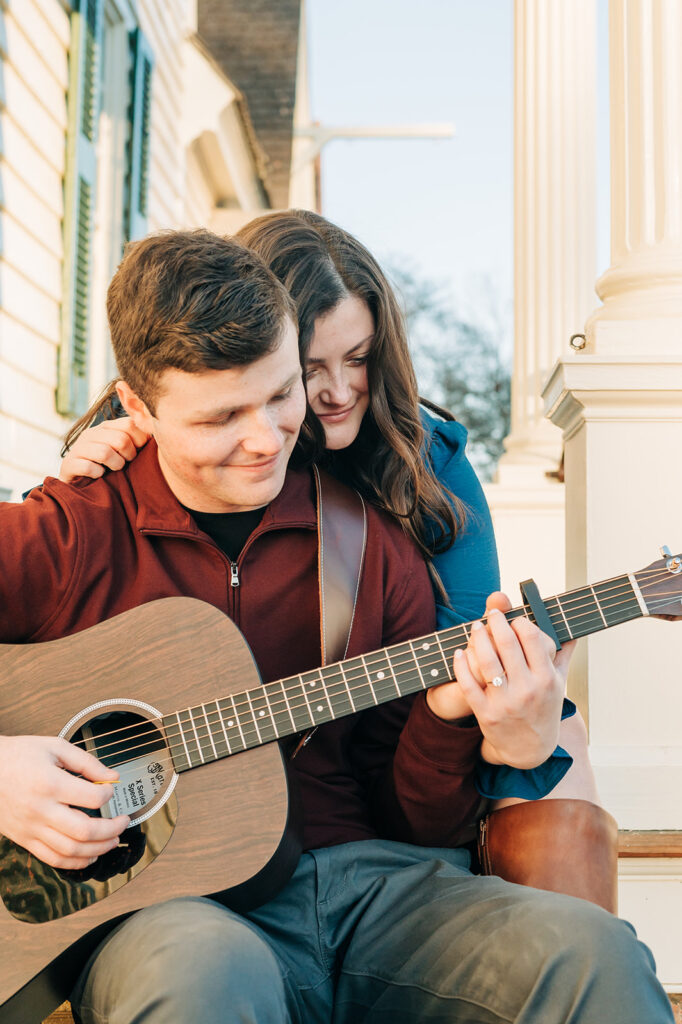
[225,436]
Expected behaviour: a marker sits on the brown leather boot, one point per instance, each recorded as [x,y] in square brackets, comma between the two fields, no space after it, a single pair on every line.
[568,846]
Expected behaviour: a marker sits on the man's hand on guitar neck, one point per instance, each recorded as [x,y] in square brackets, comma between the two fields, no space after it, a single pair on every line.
[43,782]
[519,713]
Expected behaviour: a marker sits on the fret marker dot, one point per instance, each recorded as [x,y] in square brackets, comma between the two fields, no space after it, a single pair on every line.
[380,675]
[319,707]
[261,714]
[230,723]
[312,683]
[434,671]
[425,647]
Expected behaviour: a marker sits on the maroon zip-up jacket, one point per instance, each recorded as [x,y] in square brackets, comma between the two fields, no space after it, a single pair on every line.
[74,555]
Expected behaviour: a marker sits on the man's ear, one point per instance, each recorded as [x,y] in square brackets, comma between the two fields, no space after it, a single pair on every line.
[135,407]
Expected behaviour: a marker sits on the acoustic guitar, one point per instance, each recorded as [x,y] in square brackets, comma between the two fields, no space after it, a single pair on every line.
[170,695]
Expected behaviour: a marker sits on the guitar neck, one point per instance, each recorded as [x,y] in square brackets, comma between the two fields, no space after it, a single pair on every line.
[276,710]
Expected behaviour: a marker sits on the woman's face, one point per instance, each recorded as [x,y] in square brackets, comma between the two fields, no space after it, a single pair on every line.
[336,370]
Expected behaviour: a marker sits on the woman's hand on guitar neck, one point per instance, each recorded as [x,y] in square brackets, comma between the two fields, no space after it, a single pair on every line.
[109,445]
[43,783]
[520,716]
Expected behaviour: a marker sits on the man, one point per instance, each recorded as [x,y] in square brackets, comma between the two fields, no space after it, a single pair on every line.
[382,916]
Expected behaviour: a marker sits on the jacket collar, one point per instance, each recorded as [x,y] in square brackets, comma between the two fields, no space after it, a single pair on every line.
[160,512]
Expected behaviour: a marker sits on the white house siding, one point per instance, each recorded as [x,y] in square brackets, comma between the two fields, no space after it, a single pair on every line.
[34,40]
[33,72]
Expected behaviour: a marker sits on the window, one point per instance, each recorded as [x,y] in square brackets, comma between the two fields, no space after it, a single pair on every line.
[106,183]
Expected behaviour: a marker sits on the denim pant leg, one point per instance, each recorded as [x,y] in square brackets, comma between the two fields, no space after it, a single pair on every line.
[187,960]
[438,945]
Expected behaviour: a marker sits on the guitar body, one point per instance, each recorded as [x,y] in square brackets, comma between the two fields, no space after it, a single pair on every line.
[226,828]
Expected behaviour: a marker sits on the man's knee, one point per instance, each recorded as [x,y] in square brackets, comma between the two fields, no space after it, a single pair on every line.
[184,956]
[588,959]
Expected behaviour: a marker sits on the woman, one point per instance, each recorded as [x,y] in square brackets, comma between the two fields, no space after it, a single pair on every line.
[366,425]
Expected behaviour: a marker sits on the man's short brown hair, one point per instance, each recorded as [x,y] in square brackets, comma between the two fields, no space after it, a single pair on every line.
[193,301]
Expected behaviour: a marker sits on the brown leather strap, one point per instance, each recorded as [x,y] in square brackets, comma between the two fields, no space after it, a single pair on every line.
[342,532]
[568,846]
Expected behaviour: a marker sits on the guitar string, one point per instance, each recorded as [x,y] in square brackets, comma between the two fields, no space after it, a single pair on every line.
[167,761]
[252,722]
[280,704]
[558,621]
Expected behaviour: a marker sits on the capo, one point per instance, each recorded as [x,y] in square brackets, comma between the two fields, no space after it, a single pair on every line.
[531,597]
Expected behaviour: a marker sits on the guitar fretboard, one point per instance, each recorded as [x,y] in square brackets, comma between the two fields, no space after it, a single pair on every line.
[229,725]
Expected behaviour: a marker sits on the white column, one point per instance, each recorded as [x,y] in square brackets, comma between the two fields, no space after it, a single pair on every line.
[554,269]
[619,403]
[554,206]
[644,281]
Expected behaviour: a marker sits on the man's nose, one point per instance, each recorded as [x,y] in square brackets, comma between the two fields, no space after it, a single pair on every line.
[263,436]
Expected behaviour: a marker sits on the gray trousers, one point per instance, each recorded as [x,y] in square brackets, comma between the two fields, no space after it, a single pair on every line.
[382,932]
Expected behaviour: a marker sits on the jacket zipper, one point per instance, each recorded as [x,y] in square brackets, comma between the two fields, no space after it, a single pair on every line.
[234,574]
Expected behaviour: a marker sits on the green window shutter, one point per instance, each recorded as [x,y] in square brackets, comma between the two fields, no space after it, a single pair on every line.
[139,125]
[79,203]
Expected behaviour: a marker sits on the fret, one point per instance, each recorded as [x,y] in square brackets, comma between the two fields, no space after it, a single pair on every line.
[559,626]
[416,661]
[451,640]
[338,694]
[201,731]
[298,703]
[617,600]
[596,600]
[433,665]
[358,684]
[221,744]
[176,743]
[231,724]
[580,608]
[190,737]
[245,719]
[381,677]
[316,695]
[278,702]
[261,715]
[404,664]
[371,680]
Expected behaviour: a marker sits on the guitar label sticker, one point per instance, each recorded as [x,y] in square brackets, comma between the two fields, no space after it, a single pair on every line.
[140,781]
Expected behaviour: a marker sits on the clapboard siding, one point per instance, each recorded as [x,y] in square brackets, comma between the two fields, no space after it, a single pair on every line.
[40,127]
[29,162]
[26,302]
[40,78]
[39,219]
[42,36]
[31,258]
[25,349]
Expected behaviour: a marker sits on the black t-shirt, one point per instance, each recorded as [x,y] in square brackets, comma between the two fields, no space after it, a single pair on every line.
[230,530]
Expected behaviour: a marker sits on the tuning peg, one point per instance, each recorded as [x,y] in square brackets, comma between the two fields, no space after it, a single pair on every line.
[673,565]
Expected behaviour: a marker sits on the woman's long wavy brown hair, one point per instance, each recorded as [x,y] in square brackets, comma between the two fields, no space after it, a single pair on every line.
[321,264]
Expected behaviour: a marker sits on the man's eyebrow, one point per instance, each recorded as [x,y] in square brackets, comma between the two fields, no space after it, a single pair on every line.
[225,410]
[359,344]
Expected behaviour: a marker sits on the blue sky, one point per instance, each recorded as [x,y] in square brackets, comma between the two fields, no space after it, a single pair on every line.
[441,207]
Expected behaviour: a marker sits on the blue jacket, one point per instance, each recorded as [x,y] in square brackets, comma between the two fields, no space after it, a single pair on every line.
[470,572]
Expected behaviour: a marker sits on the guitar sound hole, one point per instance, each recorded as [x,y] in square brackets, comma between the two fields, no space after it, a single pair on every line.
[124,739]
[134,747]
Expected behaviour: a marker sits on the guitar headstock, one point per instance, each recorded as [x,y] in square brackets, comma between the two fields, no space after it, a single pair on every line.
[660,585]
